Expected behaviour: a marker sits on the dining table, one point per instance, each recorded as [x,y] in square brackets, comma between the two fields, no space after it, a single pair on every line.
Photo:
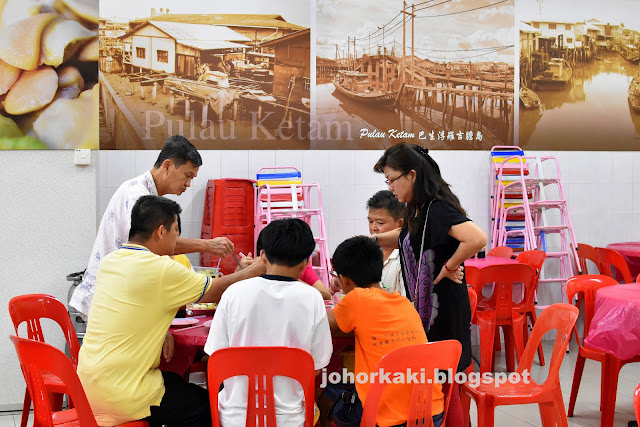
[187,342]
[615,326]
[488,260]
[630,251]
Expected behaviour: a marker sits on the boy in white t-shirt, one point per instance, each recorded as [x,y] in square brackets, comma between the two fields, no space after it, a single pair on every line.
[274,309]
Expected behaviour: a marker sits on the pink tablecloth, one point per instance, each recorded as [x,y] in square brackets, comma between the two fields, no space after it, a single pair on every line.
[488,260]
[631,253]
[615,327]
[187,343]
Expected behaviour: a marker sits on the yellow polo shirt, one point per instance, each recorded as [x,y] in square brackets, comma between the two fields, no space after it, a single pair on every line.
[136,297]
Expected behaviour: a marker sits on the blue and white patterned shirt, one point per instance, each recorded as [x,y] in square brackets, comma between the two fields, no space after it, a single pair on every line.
[112,234]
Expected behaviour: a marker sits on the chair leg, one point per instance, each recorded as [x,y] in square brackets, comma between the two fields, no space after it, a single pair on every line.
[486,413]
[26,408]
[558,402]
[577,377]
[547,414]
[533,324]
[465,402]
[508,332]
[611,372]
[518,329]
[487,334]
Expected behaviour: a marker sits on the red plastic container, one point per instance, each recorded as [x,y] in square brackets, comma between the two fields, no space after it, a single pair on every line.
[228,212]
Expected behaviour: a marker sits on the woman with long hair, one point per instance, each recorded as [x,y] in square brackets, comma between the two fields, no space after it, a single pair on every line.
[436,239]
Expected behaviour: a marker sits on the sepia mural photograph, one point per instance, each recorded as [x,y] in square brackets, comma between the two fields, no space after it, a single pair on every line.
[233,75]
[579,84]
[434,72]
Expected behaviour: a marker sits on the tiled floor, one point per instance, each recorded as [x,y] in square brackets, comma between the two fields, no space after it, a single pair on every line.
[586,412]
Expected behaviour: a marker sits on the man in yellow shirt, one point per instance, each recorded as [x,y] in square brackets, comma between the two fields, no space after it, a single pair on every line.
[138,291]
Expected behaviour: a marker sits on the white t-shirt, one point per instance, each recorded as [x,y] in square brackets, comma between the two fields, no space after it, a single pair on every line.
[269,311]
[392,274]
[113,232]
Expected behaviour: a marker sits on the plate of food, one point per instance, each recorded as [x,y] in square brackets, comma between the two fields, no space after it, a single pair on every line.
[207,324]
[183,322]
[202,308]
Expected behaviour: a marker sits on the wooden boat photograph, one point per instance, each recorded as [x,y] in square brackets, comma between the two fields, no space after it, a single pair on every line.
[634,94]
[556,75]
[356,86]
[630,54]
[529,98]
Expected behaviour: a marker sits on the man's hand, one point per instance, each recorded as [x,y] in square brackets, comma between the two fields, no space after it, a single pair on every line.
[168,347]
[246,260]
[220,246]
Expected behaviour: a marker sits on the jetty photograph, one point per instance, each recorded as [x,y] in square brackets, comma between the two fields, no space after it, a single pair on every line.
[579,75]
[232,75]
[434,72]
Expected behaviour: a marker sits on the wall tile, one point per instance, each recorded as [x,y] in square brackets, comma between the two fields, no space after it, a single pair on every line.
[234,164]
[601,198]
[578,198]
[289,158]
[145,159]
[622,198]
[339,202]
[315,167]
[121,166]
[622,164]
[210,168]
[364,162]
[102,169]
[338,231]
[199,194]
[342,168]
[260,159]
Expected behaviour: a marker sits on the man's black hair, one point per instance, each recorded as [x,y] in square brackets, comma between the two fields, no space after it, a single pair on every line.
[149,213]
[360,259]
[287,242]
[179,150]
[386,200]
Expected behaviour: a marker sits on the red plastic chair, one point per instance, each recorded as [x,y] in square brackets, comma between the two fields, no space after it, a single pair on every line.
[503,312]
[638,279]
[38,359]
[30,309]
[273,361]
[608,258]
[534,259]
[586,252]
[443,355]
[611,365]
[473,302]
[547,395]
[501,251]
[636,402]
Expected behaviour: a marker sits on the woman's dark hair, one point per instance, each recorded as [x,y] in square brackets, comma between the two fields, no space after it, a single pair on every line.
[149,213]
[429,184]
[385,199]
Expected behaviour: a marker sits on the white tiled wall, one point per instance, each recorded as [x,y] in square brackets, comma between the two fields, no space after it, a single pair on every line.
[603,188]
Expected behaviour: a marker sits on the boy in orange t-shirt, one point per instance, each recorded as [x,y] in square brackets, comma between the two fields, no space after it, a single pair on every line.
[382,322]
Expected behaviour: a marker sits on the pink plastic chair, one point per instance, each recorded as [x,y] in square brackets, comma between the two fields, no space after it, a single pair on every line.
[38,359]
[273,361]
[442,355]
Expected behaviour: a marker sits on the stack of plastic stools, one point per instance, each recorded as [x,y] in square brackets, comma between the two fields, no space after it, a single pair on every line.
[228,212]
[281,194]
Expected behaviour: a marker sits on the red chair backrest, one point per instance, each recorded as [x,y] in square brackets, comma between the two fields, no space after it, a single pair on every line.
[473,301]
[534,259]
[38,357]
[260,365]
[608,258]
[562,318]
[588,285]
[442,355]
[638,279]
[586,252]
[501,251]
[31,308]
[503,277]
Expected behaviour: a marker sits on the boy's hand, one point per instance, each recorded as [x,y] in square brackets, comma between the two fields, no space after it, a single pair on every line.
[257,267]
[246,260]
[334,285]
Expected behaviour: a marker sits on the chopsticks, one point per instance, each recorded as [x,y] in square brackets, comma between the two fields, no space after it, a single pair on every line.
[237,260]
[190,327]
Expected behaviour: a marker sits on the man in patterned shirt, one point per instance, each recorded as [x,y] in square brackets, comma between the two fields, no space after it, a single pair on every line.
[172,173]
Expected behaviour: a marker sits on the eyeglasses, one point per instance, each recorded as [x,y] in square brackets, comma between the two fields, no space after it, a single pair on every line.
[391,181]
